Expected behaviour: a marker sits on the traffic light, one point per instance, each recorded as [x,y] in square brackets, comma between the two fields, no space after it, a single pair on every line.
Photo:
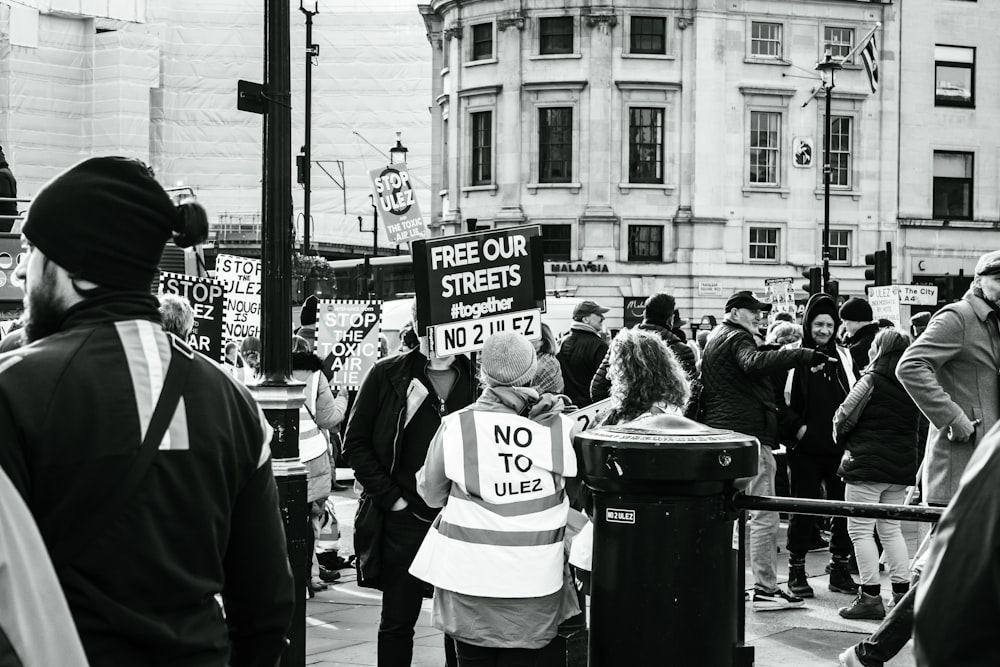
[834,290]
[880,262]
[300,167]
[815,277]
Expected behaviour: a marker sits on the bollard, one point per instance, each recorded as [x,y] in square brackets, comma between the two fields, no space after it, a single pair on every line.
[663,586]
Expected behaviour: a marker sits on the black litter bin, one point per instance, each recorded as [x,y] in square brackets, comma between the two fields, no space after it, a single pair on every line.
[663,587]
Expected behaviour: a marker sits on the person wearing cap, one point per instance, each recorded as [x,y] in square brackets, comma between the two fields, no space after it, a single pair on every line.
[396,413]
[582,351]
[307,319]
[814,392]
[918,323]
[141,550]
[860,328]
[739,395]
[657,317]
[495,553]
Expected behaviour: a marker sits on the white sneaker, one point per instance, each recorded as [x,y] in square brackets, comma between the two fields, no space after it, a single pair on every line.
[776,600]
[849,658]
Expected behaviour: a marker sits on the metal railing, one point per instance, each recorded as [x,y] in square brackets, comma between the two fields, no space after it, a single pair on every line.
[744,653]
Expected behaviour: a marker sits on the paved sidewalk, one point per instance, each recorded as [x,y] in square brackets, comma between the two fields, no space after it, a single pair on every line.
[343,621]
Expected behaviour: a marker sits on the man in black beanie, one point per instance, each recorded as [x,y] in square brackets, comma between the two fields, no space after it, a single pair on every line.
[145,466]
[861,328]
[657,317]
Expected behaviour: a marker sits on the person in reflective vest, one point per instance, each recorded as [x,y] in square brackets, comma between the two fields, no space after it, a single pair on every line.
[495,553]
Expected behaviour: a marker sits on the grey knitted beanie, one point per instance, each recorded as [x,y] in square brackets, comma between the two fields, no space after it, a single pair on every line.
[508,360]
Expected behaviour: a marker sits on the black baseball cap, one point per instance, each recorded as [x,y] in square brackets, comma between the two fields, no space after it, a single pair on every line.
[746,299]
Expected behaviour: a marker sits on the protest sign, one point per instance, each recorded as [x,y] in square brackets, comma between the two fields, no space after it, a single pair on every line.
[397,204]
[884,301]
[240,276]
[470,286]
[780,294]
[348,340]
[207,298]
[584,417]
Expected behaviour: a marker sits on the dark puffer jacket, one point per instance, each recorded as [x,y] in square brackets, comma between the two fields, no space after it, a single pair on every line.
[600,386]
[579,357]
[878,426]
[738,392]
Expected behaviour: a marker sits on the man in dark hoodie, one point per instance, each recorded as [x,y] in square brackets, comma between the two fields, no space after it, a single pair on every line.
[656,318]
[814,393]
[8,190]
[861,327]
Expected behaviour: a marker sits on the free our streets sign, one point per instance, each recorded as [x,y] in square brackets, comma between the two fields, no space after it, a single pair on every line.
[470,286]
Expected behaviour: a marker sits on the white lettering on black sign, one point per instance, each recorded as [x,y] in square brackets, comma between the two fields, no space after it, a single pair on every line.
[619,516]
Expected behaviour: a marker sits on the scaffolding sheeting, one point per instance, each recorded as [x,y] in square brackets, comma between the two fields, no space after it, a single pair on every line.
[164,90]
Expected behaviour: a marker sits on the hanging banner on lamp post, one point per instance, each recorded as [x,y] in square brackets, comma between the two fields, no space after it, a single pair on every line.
[397,204]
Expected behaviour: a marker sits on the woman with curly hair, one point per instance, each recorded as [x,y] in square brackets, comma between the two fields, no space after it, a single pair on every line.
[548,377]
[645,378]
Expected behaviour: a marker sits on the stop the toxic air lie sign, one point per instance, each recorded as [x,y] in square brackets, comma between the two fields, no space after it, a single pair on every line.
[397,203]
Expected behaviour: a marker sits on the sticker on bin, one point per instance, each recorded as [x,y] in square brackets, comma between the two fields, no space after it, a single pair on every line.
[619,516]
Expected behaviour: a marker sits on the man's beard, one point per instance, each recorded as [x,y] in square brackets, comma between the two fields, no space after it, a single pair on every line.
[43,312]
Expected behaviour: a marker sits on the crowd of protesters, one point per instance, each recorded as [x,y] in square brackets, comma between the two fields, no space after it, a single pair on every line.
[445,510]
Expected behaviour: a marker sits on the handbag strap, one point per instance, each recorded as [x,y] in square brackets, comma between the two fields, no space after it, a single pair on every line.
[82,531]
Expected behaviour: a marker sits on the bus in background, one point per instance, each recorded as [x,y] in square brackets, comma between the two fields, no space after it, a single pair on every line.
[384,278]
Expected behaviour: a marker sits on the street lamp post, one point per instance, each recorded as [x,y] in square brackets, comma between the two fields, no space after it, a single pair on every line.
[312,51]
[827,67]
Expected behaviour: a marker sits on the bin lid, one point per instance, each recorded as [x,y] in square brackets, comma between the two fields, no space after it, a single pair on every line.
[665,448]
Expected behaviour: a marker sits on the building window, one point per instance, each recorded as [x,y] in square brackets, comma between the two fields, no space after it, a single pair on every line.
[556,242]
[445,52]
[838,41]
[555,35]
[482,148]
[645,243]
[645,145]
[840,246]
[555,145]
[765,151]
[840,152]
[765,40]
[953,185]
[954,76]
[648,35]
[763,244]
[444,153]
[482,41]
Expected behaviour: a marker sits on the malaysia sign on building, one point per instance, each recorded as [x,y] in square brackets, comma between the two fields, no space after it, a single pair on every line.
[207,298]
[470,286]
[347,339]
[397,203]
[241,278]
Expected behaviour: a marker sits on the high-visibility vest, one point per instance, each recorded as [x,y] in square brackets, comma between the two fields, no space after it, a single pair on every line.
[312,442]
[501,532]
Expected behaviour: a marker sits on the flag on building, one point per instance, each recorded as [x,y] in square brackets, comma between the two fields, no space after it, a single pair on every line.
[869,56]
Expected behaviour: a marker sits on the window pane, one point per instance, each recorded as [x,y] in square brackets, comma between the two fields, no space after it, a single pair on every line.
[555,35]
[556,242]
[482,41]
[648,35]
[840,151]
[482,148]
[839,41]
[765,39]
[645,163]
[764,147]
[840,242]
[763,243]
[953,84]
[953,178]
[555,145]
[645,243]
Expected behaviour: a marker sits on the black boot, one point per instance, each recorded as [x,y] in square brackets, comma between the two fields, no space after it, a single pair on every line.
[841,580]
[798,585]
